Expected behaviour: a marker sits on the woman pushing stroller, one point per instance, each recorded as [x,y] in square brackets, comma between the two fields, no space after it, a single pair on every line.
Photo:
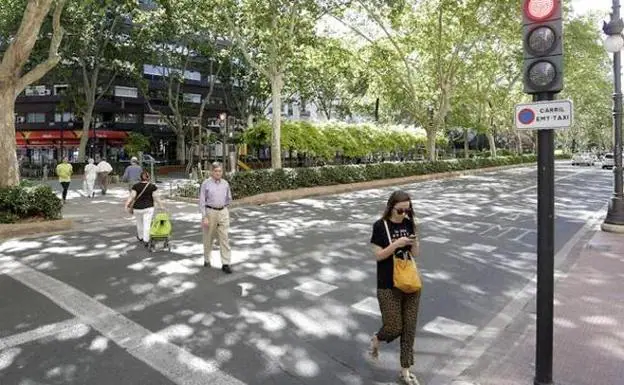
[143,196]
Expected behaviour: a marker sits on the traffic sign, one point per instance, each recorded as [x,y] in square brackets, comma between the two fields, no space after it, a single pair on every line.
[544,115]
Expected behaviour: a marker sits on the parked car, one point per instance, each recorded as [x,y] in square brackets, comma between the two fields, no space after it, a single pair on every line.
[582,159]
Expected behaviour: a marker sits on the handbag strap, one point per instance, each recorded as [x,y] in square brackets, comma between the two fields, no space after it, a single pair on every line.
[387,231]
[139,196]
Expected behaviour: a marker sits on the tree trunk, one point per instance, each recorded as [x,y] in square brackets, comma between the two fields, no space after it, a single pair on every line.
[492,143]
[431,145]
[181,148]
[277,83]
[84,139]
[9,170]
[466,144]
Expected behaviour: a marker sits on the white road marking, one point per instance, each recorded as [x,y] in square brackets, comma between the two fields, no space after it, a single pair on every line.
[434,239]
[114,234]
[488,335]
[316,288]
[368,305]
[450,328]
[175,363]
[480,247]
[38,333]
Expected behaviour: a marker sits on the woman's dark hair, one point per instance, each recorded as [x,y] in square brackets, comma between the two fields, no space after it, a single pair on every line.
[398,197]
[145,176]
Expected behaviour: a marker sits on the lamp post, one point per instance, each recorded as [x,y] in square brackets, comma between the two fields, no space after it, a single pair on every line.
[224,130]
[614,222]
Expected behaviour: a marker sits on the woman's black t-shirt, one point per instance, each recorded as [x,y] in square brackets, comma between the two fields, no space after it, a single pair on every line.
[146,200]
[385,268]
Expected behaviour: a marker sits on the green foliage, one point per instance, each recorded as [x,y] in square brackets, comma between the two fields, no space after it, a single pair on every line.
[263,181]
[20,202]
[350,140]
[136,143]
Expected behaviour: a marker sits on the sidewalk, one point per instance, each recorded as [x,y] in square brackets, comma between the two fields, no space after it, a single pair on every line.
[589,326]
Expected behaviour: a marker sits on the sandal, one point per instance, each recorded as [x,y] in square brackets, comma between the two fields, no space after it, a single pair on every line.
[374,348]
[410,380]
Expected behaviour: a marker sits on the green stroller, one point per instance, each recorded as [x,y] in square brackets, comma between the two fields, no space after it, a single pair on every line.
[160,232]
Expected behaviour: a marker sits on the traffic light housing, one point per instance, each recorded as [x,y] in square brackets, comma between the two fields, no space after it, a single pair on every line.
[542,37]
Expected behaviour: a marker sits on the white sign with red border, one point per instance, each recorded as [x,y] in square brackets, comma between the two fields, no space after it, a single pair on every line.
[545,115]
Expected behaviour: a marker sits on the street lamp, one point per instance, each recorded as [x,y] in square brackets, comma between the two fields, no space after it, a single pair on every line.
[224,129]
[614,222]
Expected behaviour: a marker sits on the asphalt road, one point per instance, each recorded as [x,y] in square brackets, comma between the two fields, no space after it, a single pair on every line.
[92,307]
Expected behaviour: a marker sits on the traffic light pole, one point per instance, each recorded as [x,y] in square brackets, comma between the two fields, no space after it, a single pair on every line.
[545,251]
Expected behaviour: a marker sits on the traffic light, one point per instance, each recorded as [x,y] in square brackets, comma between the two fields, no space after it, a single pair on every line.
[542,36]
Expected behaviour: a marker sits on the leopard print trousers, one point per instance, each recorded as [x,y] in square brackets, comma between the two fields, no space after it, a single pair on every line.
[399,313]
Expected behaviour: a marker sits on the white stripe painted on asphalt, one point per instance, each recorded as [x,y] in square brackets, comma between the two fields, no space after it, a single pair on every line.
[39,333]
[435,239]
[479,344]
[450,328]
[175,363]
[368,305]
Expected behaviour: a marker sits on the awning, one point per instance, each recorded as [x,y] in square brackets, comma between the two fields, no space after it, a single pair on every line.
[104,134]
[52,136]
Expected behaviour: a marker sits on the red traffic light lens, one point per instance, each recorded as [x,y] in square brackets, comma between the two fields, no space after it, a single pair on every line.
[539,10]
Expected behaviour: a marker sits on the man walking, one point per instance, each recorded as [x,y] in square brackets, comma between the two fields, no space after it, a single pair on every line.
[64,172]
[214,198]
[103,169]
[132,174]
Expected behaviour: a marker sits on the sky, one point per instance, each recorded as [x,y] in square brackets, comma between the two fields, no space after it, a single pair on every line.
[583,6]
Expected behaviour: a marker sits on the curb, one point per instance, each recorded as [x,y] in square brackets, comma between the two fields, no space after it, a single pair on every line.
[8,231]
[289,195]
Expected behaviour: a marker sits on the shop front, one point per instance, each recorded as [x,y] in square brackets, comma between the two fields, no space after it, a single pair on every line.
[44,146]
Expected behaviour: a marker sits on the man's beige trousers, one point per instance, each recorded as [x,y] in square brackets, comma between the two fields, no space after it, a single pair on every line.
[220,224]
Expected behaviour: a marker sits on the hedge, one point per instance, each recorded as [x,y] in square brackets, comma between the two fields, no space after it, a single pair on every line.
[247,183]
[24,202]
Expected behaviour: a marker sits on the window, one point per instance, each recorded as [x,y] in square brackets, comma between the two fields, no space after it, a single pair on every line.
[126,118]
[35,117]
[126,92]
[64,117]
[37,91]
[60,89]
[153,119]
[192,98]
[192,75]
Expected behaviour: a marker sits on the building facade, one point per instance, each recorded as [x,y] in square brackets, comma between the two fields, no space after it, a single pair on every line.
[48,127]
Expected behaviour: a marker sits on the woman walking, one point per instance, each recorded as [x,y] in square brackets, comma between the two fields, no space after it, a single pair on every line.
[90,174]
[141,203]
[395,235]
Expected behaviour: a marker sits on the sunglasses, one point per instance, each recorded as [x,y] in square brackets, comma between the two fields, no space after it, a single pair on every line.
[403,211]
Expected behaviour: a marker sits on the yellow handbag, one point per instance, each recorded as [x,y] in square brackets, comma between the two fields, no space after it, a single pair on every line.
[405,276]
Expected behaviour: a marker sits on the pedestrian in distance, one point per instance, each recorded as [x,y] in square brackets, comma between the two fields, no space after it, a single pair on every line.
[214,197]
[395,246]
[132,174]
[90,175]
[103,169]
[141,202]
[64,171]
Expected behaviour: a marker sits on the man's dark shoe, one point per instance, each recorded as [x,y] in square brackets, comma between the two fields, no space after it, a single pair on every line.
[226,269]
[206,264]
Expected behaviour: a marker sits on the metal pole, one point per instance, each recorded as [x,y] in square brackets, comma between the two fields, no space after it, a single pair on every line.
[615,215]
[545,252]
[225,132]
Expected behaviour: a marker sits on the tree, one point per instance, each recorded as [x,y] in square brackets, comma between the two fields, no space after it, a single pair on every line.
[271,34]
[136,143]
[419,51]
[326,77]
[16,71]
[97,39]
[180,39]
